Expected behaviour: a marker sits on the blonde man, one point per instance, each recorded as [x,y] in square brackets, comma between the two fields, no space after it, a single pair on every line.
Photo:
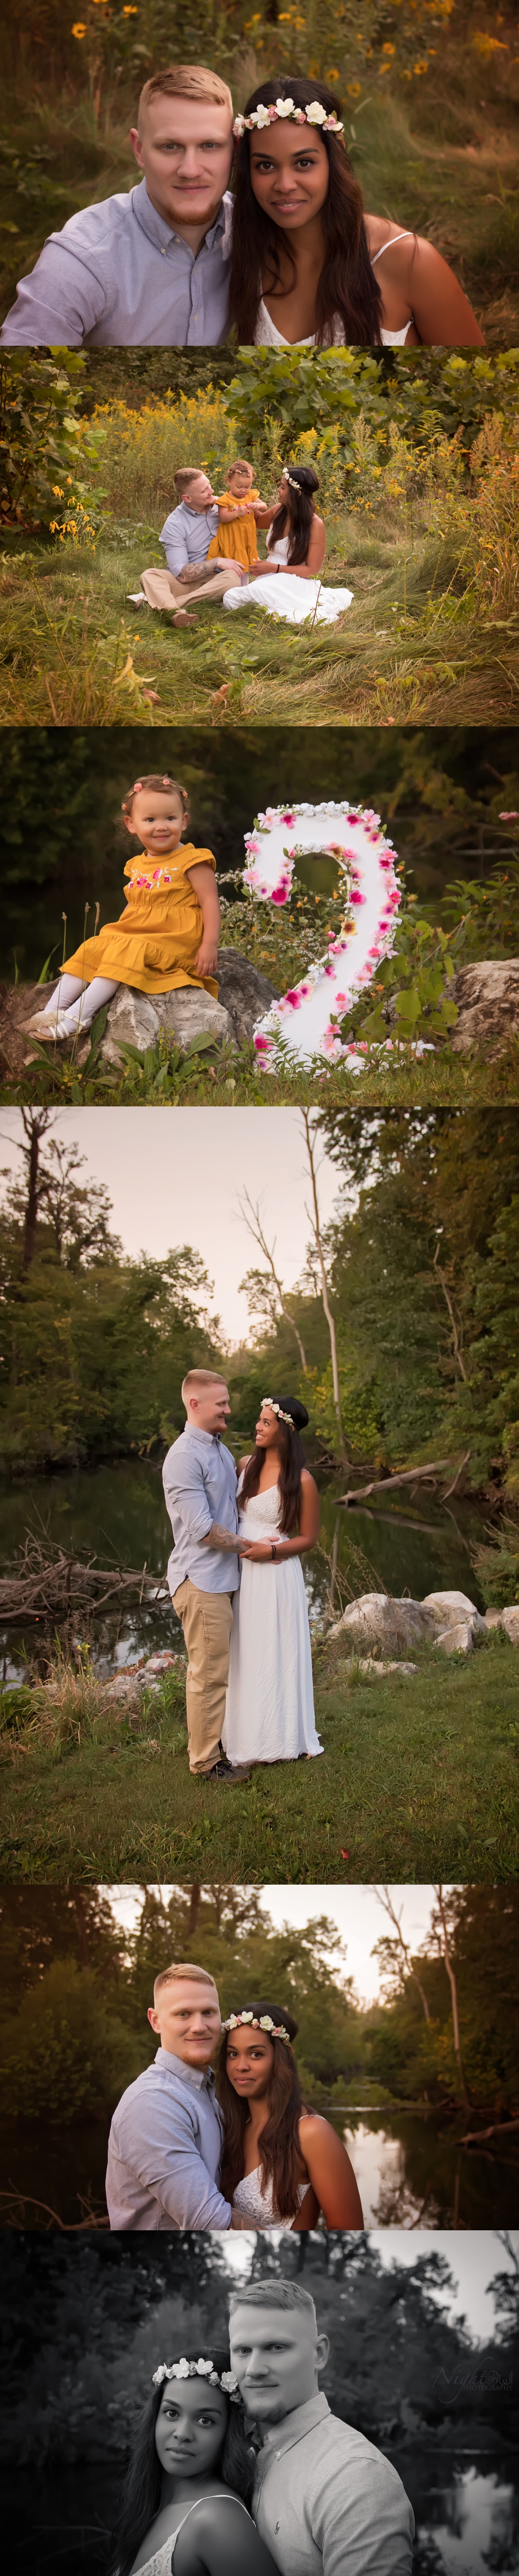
[186,537]
[149,266]
[199,1479]
[165,2144]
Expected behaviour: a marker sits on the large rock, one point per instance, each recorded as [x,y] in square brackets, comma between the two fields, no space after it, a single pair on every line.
[450,1607]
[243,996]
[487,1002]
[377,1619]
[507,1619]
[135,1019]
[244,993]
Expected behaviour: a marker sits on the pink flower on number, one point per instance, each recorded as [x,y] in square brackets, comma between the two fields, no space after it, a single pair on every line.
[295,1000]
[288,818]
[342,1001]
[263,1045]
[279,894]
[357,898]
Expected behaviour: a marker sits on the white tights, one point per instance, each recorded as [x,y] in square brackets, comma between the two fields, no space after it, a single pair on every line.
[77,1003]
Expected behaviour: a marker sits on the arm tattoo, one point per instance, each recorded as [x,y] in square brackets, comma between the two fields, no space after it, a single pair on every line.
[221,1538]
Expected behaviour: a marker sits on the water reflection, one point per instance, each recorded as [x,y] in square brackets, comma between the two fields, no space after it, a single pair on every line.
[118,1512]
[411,2172]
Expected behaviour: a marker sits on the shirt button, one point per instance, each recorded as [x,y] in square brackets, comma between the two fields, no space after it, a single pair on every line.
[163,250]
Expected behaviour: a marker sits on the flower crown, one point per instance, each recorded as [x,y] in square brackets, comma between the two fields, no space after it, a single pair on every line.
[274,2029]
[291,479]
[315,114]
[225,2379]
[139,782]
[278,1408]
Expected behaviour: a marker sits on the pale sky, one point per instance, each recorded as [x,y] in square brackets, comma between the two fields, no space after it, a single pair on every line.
[174,1177]
[473,2259]
[355,1911]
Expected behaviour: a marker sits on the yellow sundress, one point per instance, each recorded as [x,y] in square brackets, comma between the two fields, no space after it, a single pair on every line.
[239,539]
[153,944]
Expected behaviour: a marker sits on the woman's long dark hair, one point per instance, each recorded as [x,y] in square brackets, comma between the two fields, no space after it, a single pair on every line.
[291,1461]
[296,514]
[142,2491]
[347,284]
[278,2148]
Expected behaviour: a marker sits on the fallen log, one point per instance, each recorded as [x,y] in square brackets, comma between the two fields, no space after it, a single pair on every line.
[500,2129]
[405,1476]
[50,1584]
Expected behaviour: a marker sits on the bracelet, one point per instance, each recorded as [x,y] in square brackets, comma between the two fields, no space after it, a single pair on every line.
[272,1550]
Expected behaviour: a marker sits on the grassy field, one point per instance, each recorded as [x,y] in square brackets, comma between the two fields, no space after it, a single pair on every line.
[74,650]
[418,1781]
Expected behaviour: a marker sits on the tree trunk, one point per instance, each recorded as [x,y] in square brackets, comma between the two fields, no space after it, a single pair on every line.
[345,1461]
[35,1123]
[454,2001]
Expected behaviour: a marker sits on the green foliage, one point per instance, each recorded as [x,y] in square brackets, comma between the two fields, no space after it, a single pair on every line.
[496,1565]
[43,446]
[66,2053]
[332,392]
[411,984]
[416,2056]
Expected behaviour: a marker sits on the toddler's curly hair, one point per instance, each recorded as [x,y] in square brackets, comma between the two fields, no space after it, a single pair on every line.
[157,783]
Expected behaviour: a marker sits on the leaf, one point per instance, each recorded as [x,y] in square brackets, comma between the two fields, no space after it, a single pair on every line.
[407,1007]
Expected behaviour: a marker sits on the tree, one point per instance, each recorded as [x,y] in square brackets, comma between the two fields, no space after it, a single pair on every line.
[319,1249]
[260,1284]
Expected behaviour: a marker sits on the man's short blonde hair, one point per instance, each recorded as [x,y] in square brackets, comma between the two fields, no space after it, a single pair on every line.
[197,1380]
[176,1975]
[185,80]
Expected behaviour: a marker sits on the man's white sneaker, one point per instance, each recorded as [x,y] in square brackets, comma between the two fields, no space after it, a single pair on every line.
[138,597]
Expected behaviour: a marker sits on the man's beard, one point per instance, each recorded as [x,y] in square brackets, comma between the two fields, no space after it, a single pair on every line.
[275,2412]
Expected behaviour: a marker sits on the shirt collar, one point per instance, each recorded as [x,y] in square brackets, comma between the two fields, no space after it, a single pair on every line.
[159,231]
[200,2076]
[282,2437]
[191,1432]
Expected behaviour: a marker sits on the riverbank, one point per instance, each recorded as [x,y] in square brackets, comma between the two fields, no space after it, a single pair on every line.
[418,1781]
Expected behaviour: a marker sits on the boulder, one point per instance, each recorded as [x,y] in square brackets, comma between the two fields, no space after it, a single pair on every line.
[487,1002]
[450,1607]
[243,992]
[369,1664]
[137,1018]
[243,996]
[375,1619]
[458,1639]
[507,1619]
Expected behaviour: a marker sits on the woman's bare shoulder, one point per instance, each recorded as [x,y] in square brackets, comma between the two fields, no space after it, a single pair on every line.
[308,1479]
[243,1462]
[386,228]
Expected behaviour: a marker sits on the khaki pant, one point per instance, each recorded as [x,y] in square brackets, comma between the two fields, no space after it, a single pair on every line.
[207,1621]
[162,589]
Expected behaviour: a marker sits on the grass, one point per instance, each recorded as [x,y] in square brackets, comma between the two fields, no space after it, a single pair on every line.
[225,1077]
[418,1781]
[75,652]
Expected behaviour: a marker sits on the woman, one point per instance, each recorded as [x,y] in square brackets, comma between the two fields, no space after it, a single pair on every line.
[289,583]
[281,2163]
[269,1708]
[191,2477]
[307,264]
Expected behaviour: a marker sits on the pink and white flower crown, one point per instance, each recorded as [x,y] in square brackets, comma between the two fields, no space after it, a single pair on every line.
[277,1408]
[275,2030]
[314,114]
[225,2379]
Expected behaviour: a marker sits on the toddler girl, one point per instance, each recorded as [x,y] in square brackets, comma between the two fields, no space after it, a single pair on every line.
[168,934]
[236,536]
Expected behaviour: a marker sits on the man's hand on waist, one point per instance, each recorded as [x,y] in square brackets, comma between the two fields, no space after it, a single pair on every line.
[221,1538]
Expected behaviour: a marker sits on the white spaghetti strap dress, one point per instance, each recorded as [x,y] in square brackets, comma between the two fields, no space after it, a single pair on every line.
[269,1708]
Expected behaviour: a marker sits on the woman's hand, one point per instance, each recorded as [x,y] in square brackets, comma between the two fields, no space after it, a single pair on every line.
[256,568]
[260,1549]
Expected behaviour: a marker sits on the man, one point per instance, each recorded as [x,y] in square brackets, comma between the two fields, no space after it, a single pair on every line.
[186,536]
[199,1479]
[325,2499]
[165,2142]
[148,267]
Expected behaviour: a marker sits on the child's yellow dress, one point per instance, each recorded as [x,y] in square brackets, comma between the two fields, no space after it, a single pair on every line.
[153,944]
[238,539]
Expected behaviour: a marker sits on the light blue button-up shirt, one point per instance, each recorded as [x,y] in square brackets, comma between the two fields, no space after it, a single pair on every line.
[117,275]
[164,2150]
[326,2500]
[199,1479]
[186,535]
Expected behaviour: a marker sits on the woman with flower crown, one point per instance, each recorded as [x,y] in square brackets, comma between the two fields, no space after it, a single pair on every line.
[191,2478]
[296,548]
[308,265]
[269,1708]
[282,2163]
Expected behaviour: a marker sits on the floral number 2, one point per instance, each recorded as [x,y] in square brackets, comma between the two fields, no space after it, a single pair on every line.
[305,1019]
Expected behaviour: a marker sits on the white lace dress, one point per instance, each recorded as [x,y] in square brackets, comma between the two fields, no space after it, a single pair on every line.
[160,2563]
[288,596]
[269,1708]
[255,2205]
